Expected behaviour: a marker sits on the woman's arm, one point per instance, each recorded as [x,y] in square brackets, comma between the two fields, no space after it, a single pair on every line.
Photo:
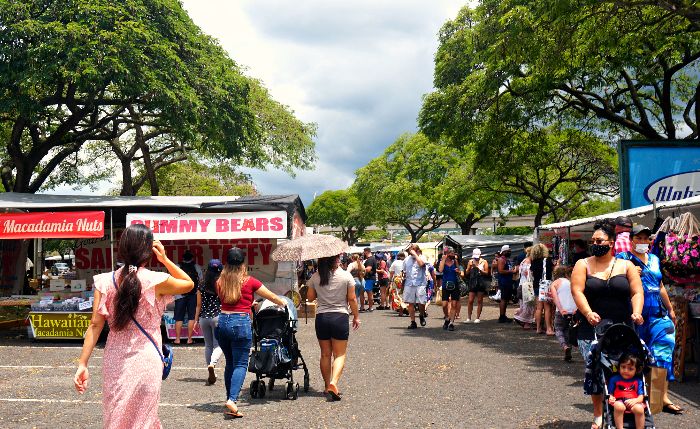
[485,265]
[179,282]
[199,308]
[311,293]
[352,301]
[578,284]
[636,292]
[97,323]
[268,294]
[667,302]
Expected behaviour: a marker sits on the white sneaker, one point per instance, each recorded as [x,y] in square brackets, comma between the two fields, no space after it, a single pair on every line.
[477,321]
[467,321]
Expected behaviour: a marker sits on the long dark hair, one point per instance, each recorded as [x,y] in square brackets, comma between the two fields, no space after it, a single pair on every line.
[135,248]
[607,226]
[210,278]
[325,266]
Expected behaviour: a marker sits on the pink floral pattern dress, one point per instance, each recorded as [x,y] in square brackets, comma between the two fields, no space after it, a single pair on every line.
[132,369]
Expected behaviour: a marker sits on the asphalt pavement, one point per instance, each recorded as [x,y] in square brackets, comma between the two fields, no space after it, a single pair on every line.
[485,375]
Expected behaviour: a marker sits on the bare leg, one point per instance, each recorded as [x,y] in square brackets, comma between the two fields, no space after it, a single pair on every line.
[538,315]
[411,311]
[479,304]
[370,299]
[502,307]
[421,307]
[325,363]
[638,411]
[454,307]
[445,308]
[339,349]
[470,305]
[383,301]
[619,414]
[597,405]
[548,318]
[190,330]
[178,332]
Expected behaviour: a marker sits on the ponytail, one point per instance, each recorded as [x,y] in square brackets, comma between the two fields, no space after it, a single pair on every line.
[135,248]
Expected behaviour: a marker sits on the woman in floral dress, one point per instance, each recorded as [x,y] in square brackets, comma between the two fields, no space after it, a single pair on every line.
[131,366]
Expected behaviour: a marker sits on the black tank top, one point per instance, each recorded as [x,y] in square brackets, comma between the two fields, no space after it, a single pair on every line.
[611,300]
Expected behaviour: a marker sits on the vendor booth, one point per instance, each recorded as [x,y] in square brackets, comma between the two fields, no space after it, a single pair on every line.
[488,244]
[206,226]
[680,261]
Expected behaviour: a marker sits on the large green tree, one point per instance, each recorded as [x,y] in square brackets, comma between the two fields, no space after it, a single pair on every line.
[339,209]
[137,72]
[406,184]
[555,170]
[201,178]
[627,67]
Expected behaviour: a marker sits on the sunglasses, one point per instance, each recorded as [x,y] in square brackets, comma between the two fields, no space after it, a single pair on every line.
[598,241]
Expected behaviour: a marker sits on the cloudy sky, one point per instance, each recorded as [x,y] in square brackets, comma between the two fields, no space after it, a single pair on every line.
[356,68]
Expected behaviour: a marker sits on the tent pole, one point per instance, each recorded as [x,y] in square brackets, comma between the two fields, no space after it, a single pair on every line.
[111,236]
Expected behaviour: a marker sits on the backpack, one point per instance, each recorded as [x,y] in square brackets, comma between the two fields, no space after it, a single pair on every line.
[191,270]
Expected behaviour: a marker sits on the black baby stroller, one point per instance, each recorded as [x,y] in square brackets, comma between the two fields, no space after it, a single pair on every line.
[617,340]
[276,352]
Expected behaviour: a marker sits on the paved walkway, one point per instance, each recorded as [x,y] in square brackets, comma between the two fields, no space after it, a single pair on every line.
[480,376]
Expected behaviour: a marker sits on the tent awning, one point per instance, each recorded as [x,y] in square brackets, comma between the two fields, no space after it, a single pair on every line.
[488,244]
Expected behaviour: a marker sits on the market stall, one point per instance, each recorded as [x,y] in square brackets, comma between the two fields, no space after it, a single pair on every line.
[206,226]
[488,244]
[678,250]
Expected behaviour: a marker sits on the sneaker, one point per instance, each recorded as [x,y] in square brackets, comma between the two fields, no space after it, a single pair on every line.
[451,327]
[362,310]
[567,354]
[412,326]
[504,319]
[477,320]
[422,320]
[467,321]
[445,325]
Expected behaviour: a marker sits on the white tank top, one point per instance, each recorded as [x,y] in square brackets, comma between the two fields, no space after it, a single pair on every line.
[565,298]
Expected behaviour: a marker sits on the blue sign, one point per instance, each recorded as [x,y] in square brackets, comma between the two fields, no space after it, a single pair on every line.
[660,171]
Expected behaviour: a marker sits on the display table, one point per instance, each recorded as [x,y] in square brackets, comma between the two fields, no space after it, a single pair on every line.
[169,322]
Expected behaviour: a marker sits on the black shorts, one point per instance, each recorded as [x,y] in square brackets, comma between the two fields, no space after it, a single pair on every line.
[332,326]
[480,286]
[506,292]
[186,304]
[383,282]
[447,294]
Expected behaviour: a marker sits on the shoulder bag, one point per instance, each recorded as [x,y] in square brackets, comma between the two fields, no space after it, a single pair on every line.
[166,356]
[545,292]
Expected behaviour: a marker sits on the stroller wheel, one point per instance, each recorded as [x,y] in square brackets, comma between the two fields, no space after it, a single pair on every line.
[292,391]
[307,384]
[261,389]
[254,388]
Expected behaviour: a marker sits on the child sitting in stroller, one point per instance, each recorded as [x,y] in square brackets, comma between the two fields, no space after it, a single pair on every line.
[627,391]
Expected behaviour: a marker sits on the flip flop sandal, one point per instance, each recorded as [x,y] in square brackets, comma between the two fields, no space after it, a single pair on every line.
[675,410]
[235,415]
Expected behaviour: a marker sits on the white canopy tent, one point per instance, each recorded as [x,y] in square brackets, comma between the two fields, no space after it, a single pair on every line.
[645,215]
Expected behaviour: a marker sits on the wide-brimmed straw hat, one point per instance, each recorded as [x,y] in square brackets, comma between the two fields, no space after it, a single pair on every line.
[311,246]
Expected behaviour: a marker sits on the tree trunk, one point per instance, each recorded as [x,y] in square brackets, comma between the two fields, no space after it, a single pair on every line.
[127,179]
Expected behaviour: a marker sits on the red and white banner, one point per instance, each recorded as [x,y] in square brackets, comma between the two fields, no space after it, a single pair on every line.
[52,225]
[183,226]
[94,256]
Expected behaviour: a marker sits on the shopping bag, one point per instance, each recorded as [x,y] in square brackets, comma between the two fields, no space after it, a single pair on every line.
[545,293]
[528,291]
[657,385]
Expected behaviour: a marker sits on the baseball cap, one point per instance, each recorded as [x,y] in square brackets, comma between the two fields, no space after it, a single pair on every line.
[235,256]
[638,229]
[215,265]
[505,248]
[623,221]
[476,254]
[187,256]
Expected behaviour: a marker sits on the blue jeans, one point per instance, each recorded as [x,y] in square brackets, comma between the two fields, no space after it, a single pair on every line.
[359,288]
[235,338]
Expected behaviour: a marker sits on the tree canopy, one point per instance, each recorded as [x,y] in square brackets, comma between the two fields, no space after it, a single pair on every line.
[138,72]
[630,68]
[340,209]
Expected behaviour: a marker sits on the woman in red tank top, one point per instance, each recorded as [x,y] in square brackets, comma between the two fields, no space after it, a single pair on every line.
[236,288]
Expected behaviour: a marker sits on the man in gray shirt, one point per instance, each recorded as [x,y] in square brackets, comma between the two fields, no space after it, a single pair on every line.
[414,284]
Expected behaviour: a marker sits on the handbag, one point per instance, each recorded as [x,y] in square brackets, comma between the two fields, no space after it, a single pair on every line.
[463,288]
[545,292]
[572,334]
[166,356]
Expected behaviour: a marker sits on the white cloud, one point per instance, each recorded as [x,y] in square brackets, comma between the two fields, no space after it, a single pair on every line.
[357,68]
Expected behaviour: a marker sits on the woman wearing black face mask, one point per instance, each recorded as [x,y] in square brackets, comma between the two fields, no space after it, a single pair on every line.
[604,288]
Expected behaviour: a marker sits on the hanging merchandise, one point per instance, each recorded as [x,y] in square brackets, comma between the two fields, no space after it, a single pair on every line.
[681,254]
[564,251]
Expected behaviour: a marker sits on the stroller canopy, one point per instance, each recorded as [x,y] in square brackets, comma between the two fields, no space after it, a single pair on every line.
[269,308]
